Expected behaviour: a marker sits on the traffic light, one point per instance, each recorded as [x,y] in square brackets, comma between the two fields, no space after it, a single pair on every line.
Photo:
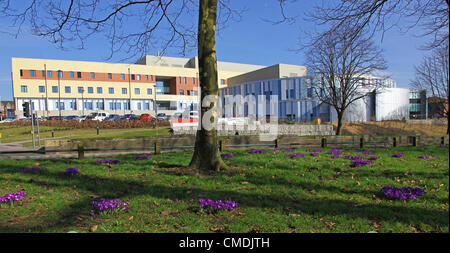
[26,109]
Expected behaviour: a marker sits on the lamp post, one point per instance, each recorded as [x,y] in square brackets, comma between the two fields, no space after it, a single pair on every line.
[59,93]
[82,100]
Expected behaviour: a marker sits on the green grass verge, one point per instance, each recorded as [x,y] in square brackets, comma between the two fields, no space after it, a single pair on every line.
[275,194]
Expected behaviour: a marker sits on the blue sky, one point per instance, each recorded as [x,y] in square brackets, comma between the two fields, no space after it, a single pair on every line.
[251,41]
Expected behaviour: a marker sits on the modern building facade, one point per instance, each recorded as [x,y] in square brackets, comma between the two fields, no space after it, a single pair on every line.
[418,106]
[153,84]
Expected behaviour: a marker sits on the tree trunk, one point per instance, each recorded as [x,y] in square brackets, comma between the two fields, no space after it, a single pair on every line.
[206,154]
[339,124]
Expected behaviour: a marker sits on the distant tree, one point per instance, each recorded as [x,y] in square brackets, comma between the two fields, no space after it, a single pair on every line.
[381,15]
[342,58]
[133,28]
[432,74]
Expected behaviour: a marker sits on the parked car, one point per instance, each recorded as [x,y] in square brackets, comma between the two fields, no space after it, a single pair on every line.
[193,115]
[100,116]
[145,117]
[129,117]
[82,118]
[72,117]
[161,116]
[113,117]
[55,118]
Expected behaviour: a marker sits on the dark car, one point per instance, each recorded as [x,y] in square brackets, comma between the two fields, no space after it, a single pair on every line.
[113,117]
[70,117]
[55,118]
[161,116]
[129,117]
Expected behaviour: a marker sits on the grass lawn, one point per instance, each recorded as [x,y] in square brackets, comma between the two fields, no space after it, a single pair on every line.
[275,194]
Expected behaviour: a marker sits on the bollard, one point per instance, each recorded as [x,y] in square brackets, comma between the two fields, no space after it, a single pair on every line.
[53,134]
[324,143]
[394,142]
[443,140]
[361,142]
[157,147]
[98,130]
[221,145]
[80,151]
[414,141]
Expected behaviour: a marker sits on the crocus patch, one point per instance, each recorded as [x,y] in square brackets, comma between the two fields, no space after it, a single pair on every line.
[336,156]
[257,151]
[295,155]
[314,154]
[398,155]
[218,204]
[226,155]
[142,157]
[374,158]
[402,193]
[31,170]
[11,197]
[335,151]
[107,161]
[350,157]
[360,162]
[69,172]
[314,150]
[106,205]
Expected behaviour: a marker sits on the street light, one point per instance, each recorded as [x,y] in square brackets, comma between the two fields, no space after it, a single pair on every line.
[59,93]
[82,100]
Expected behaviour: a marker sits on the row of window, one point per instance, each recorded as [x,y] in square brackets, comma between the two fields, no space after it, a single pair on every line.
[189,92]
[100,106]
[59,74]
[90,90]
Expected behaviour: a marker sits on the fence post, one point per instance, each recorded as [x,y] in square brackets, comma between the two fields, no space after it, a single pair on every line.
[414,141]
[324,143]
[158,147]
[443,140]
[221,145]
[277,143]
[394,142]
[98,130]
[361,142]
[80,151]
[53,134]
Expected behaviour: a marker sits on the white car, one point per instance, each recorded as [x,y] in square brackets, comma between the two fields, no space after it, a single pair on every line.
[100,116]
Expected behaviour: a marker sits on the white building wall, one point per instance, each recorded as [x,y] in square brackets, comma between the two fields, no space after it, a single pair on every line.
[392,104]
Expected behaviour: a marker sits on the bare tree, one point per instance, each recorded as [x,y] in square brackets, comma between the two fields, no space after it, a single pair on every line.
[432,74]
[134,27]
[342,60]
[381,15]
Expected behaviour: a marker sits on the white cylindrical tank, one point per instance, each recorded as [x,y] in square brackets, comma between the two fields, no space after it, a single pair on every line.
[392,104]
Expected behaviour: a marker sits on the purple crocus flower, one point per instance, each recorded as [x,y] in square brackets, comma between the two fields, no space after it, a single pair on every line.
[257,151]
[374,158]
[107,161]
[335,151]
[11,197]
[69,172]
[31,170]
[398,155]
[218,204]
[402,193]
[314,150]
[360,162]
[142,157]
[226,155]
[108,205]
[314,154]
[295,155]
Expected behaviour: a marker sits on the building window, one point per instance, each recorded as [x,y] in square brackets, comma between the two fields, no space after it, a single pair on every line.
[54,89]
[179,79]
[67,89]
[79,74]
[137,91]
[50,73]
[59,74]
[90,90]
[99,90]
[181,92]
[126,106]
[139,106]
[109,76]
[24,88]
[149,91]
[222,81]
[122,76]
[43,73]
[41,89]
[80,89]
[92,75]
[193,80]
[100,106]
[111,90]
[132,77]
[21,72]
[118,106]
[72,75]
[33,73]
[124,90]
[185,80]
[138,77]
[146,77]
[188,92]
[151,78]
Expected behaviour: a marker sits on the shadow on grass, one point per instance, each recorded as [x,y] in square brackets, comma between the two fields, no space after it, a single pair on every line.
[126,189]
